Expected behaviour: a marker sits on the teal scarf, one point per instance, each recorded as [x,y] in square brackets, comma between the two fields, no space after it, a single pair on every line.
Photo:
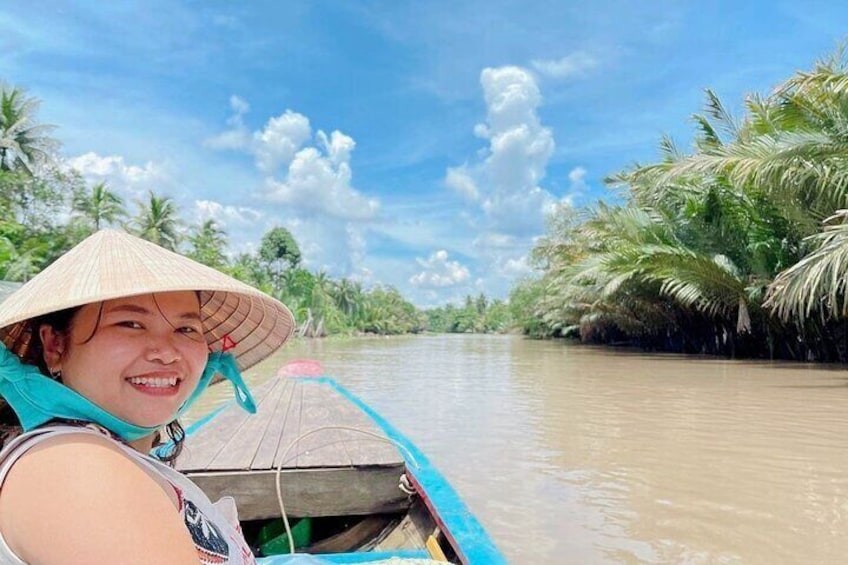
[37,399]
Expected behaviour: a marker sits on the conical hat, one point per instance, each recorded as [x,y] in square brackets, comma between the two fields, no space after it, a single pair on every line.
[111,264]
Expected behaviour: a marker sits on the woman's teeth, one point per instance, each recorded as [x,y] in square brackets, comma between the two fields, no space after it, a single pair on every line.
[154,381]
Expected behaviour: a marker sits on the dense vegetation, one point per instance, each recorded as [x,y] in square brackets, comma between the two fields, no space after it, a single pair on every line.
[45,210]
[739,247]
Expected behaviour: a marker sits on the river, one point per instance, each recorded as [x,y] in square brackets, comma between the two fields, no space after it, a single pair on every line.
[574,454]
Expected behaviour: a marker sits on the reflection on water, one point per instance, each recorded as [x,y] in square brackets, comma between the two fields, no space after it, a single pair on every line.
[571,454]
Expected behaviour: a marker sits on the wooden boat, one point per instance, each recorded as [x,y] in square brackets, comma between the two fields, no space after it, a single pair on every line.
[353,488]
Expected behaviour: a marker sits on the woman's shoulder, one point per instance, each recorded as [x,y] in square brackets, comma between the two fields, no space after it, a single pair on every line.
[84,489]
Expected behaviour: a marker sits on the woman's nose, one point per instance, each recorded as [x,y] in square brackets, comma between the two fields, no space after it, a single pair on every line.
[163,349]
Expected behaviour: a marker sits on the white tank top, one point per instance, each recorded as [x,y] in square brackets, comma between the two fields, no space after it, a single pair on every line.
[214,527]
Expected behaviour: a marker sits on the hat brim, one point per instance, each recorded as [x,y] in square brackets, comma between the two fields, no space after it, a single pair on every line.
[236,317]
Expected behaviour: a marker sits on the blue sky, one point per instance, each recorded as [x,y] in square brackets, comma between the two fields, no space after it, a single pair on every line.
[416,144]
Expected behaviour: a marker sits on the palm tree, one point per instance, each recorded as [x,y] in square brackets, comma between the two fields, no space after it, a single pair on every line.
[208,244]
[100,206]
[23,143]
[157,221]
[349,296]
[818,284]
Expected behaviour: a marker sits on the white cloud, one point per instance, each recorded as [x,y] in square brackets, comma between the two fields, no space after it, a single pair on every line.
[317,185]
[439,271]
[277,144]
[310,179]
[459,180]
[237,137]
[517,267]
[273,146]
[128,181]
[506,180]
[338,147]
[495,241]
[337,248]
[577,176]
[509,205]
[226,216]
[575,64]
[239,106]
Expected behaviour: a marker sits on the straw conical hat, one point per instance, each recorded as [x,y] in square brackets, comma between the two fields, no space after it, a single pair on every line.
[111,264]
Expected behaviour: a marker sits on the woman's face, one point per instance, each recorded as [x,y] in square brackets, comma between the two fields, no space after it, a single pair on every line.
[138,358]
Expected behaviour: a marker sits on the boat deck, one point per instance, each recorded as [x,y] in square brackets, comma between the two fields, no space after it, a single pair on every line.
[324,470]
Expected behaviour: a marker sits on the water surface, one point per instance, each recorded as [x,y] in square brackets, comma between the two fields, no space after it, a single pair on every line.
[572,454]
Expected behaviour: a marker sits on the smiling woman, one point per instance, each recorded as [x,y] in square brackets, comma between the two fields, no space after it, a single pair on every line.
[99,352]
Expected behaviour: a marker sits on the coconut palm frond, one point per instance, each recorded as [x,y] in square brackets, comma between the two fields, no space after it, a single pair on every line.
[817,284]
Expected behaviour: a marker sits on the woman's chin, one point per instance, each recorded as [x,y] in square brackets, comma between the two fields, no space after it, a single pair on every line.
[151,420]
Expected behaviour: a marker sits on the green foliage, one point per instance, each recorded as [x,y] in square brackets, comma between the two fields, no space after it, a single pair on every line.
[157,221]
[207,244]
[738,247]
[477,315]
[24,144]
[98,208]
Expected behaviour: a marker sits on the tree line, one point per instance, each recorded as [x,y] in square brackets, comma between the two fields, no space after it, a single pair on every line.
[46,209]
[738,247]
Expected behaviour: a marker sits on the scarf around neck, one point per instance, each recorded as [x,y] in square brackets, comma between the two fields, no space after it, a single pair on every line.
[36,398]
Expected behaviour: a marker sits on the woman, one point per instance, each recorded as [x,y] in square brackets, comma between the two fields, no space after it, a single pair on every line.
[101,350]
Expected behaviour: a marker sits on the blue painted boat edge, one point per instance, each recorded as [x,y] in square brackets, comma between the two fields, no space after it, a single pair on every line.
[473,542]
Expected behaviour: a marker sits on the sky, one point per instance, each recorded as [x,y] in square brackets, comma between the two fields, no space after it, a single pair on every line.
[421,145]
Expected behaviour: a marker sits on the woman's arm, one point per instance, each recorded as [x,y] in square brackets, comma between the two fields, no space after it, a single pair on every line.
[79,500]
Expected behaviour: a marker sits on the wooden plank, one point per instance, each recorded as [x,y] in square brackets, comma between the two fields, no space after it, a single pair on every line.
[413,530]
[324,447]
[287,409]
[201,447]
[355,537]
[362,448]
[264,458]
[291,430]
[314,492]
[240,449]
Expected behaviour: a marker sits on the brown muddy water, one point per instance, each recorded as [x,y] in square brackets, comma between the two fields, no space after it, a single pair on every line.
[573,454]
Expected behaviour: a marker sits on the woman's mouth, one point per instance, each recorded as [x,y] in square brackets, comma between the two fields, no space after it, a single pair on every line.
[156,386]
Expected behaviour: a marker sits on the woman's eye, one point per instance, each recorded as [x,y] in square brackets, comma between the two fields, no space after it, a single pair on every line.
[189,330]
[130,324]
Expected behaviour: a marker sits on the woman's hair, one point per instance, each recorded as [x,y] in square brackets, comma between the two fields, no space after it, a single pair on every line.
[60,322]
[177,436]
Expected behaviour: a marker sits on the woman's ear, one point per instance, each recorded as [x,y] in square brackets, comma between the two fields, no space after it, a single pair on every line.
[53,344]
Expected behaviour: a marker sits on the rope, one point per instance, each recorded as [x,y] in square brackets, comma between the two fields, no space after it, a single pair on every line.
[279,469]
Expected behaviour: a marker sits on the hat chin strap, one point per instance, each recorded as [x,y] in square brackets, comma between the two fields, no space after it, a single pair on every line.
[37,399]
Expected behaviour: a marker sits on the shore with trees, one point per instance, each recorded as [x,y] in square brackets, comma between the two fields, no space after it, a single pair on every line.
[737,248]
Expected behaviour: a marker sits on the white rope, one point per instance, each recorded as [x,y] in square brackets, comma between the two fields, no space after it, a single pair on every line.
[279,469]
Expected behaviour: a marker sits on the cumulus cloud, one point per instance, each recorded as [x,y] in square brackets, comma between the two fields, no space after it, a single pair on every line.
[306,185]
[574,64]
[505,181]
[311,177]
[274,146]
[503,184]
[224,215]
[128,181]
[277,144]
[439,272]
[316,185]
